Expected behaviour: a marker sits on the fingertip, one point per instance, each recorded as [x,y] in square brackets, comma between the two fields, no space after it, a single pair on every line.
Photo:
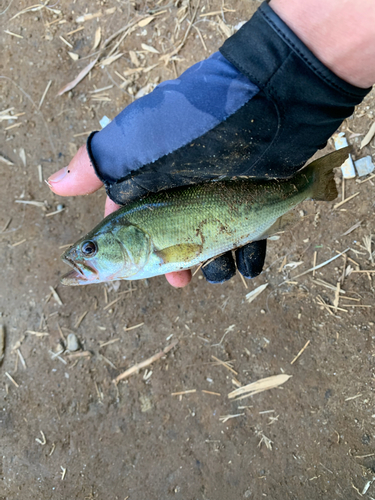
[76,179]
[110,206]
[179,279]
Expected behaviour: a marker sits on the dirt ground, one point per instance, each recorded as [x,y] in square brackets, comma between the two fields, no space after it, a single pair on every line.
[67,431]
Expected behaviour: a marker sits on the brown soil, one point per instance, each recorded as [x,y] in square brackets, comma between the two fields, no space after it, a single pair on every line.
[137,441]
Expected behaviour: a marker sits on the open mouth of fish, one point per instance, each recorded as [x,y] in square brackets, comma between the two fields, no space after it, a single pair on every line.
[79,273]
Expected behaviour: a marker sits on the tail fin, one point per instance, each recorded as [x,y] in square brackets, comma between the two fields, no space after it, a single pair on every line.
[324,186]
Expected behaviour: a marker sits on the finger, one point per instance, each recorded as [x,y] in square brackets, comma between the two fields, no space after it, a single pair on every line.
[250,258]
[221,269]
[179,279]
[78,178]
[110,206]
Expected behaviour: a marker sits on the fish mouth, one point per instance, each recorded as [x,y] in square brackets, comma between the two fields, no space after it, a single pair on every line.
[80,274]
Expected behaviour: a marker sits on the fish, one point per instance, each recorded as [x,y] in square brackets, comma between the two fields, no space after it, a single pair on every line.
[183,227]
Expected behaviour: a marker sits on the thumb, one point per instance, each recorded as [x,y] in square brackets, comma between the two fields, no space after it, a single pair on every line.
[78,178]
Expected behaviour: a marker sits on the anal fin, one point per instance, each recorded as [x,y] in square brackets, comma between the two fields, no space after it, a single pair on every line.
[282,223]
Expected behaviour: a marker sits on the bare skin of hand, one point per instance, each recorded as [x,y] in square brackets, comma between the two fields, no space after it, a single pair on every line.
[79,178]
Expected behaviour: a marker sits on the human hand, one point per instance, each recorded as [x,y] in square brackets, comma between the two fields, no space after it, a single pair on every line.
[214,122]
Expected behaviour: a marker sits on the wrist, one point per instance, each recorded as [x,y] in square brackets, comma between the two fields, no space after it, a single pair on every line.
[340,34]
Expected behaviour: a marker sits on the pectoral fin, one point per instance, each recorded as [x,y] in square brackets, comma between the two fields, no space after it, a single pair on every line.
[179,253]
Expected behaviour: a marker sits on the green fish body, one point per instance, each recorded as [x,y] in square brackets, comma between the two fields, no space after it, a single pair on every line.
[180,228]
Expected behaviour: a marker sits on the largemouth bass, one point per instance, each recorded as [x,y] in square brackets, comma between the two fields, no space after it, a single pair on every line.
[180,228]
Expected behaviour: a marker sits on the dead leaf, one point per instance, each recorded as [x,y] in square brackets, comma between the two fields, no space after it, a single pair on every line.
[134,59]
[74,56]
[367,138]
[146,21]
[23,156]
[149,48]
[6,160]
[97,38]
[110,60]
[254,293]
[261,385]
[88,17]
[81,76]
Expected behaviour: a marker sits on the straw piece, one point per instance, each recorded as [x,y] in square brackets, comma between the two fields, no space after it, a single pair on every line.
[81,76]
[143,364]
[300,352]
[321,265]
[261,385]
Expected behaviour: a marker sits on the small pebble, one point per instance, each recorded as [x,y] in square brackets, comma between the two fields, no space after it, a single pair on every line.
[72,343]
[60,206]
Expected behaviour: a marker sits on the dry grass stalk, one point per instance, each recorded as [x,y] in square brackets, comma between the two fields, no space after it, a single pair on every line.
[336,300]
[82,354]
[367,242]
[261,385]
[346,200]
[76,30]
[210,392]
[21,359]
[109,342]
[15,125]
[112,365]
[42,441]
[18,243]
[56,296]
[12,379]
[80,77]
[80,319]
[34,8]
[224,363]
[6,161]
[353,397]
[144,364]
[328,306]
[66,42]
[314,262]
[226,30]
[197,269]
[216,12]
[243,281]
[372,176]
[2,343]
[133,327]
[12,34]
[181,393]
[254,293]
[299,354]
[225,418]
[38,334]
[282,265]
[200,37]
[118,298]
[351,229]
[265,440]
[318,281]
[322,264]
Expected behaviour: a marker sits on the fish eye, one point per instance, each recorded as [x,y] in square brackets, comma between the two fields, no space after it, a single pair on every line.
[89,248]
